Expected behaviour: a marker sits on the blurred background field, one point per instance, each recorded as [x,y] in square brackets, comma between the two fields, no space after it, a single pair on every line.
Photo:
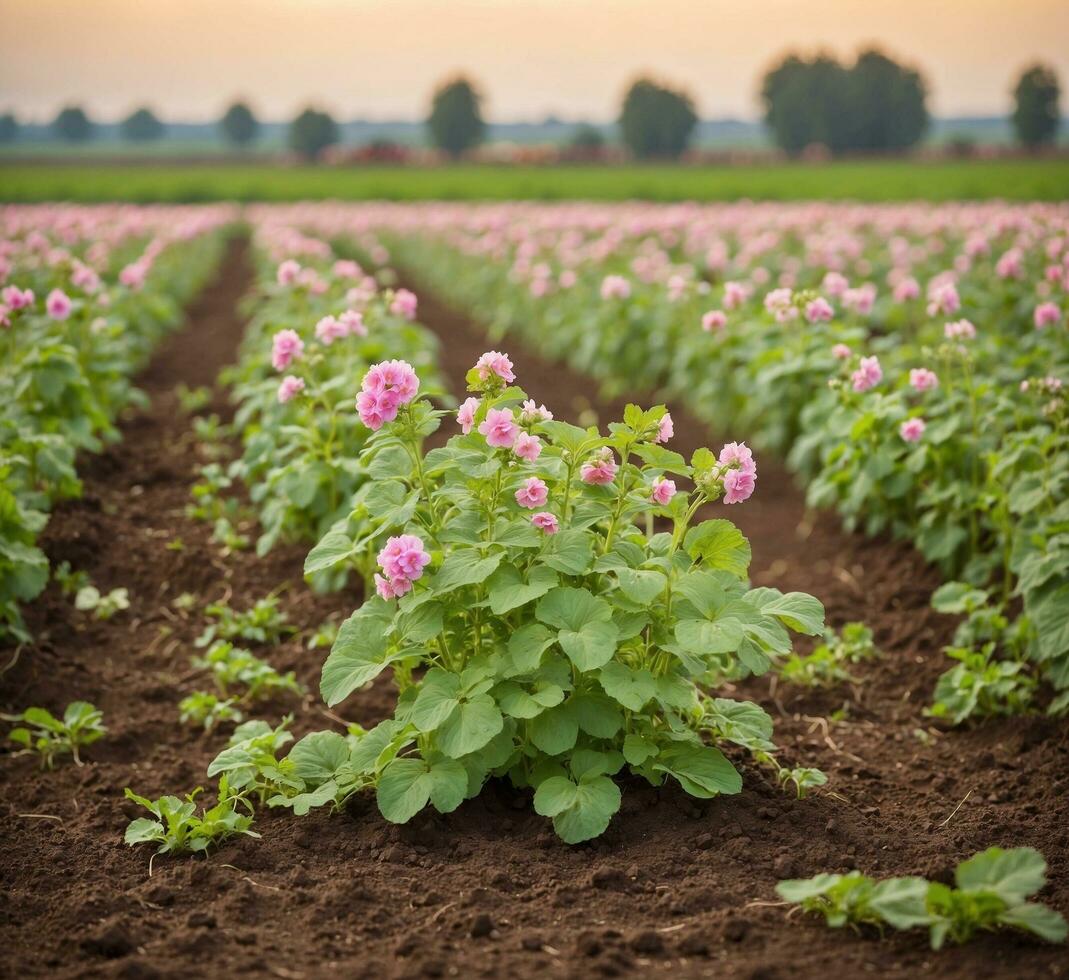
[869,180]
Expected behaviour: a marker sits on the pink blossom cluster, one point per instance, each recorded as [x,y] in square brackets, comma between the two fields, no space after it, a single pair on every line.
[600,469]
[738,471]
[867,375]
[385,388]
[493,365]
[402,560]
[286,347]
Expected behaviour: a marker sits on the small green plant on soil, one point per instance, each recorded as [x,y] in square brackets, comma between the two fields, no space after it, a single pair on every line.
[829,663]
[264,622]
[207,709]
[250,763]
[537,626]
[324,636]
[176,827]
[232,667]
[210,498]
[992,892]
[991,676]
[193,400]
[48,736]
[101,605]
[70,581]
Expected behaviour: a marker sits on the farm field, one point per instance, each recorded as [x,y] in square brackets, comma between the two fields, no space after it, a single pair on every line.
[875,180]
[404,543]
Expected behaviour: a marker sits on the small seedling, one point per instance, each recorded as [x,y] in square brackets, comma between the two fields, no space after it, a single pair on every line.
[192,400]
[264,622]
[176,827]
[82,724]
[251,765]
[233,667]
[828,664]
[205,708]
[992,891]
[90,599]
[70,582]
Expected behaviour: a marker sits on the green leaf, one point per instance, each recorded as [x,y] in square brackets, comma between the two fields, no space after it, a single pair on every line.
[570,551]
[407,785]
[334,547]
[464,567]
[555,730]
[318,756]
[526,647]
[719,545]
[474,723]
[631,688]
[703,637]
[436,699]
[702,770]
[586,632]
[420,625]
[1012,874]
[1038,919]
[520,703]
[508,590]
[638,749]
[796,610]
[597,715]
[580,812]
[641,585]
[359,654]
[901,902]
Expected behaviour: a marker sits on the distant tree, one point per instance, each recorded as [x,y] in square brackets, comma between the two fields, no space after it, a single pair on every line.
[141,126]
[874,105]
[656,121]
[887,111]
[239,125]
[9,128]
[1036,115]
[72,125]
[312,132]
[587,139]
[456,123]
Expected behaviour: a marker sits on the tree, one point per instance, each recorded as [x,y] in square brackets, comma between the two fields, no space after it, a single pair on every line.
[587,139]
[456,123]
[141,126]
[312,132]
[656,121]
[238,125]
[72,125]
[1036,115]
[9,128]
[887,111]
[875,105]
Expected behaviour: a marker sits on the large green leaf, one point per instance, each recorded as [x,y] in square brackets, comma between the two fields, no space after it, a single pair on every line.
[472,725]
[555,730]
[1013,874]
[631,688]
[586,632]
[508,589]
[318,756]
[719,545]
[360,653]
[702,770]
[580,811]
[464,567]
[406,786]
[796,610]
[641,585]
[335,547]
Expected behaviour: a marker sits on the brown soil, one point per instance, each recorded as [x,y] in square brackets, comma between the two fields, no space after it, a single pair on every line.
[676,886]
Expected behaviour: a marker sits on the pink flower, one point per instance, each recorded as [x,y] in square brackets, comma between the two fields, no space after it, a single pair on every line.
[615,287]
[493,363]
[353,322]
[329,329]
[780,302]
[1046,315]
[290,387]
[535,413]
[738,486]
[498,427]
[58,304]
[662,491]
[346,269]
[601,470]
[841,352]
[392,589]
[868,374]
[943,299]
[860,300]
[545,522]
[665,428]
[134,275]
[376,410]
[735,294]
[466,414]
[912,429]
[5,317]
[286,347]
[906,289]
[738,454]
[288,273]
[532,493]
[403,558]
[714,320]
[818,310]
[527,447]
[16,299]
[959,330]
[386,387]
[923,380]
[404,304]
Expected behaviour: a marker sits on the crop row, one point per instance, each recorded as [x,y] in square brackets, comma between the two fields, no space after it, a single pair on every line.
[86,294]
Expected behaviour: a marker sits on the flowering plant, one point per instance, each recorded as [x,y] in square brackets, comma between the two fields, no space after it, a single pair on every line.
[537,620]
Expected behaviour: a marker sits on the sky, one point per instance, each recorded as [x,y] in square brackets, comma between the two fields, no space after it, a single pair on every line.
[380,59]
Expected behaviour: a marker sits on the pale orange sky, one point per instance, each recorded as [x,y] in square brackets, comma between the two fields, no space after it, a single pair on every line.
[380,58]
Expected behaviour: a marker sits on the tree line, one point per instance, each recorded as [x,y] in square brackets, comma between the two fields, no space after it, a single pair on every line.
[873,105]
